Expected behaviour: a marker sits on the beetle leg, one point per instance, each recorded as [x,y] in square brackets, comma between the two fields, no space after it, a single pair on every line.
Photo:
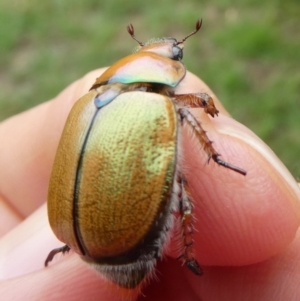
[196,100]
[185,114]
[51,255]
[186,207]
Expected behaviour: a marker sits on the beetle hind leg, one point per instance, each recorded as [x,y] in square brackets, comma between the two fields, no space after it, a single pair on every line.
[186,207]
[185,114]
[64,249]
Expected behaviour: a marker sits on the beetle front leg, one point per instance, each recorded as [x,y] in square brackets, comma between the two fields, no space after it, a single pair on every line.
[51,255]
[186,207]
[196,100]
[185,114]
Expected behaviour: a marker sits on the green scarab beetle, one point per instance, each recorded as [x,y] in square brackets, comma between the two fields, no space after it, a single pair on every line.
[115,179]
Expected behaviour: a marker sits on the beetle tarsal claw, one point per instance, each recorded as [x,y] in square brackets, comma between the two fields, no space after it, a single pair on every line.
[194,267]
[229,165]
[51,255]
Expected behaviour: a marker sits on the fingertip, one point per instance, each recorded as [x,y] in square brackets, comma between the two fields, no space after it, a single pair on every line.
[239,220]
[70,279]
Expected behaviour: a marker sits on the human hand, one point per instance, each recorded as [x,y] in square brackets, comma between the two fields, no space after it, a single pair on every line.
[246,239]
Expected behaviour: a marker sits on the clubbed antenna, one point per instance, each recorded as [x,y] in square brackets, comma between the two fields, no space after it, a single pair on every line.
[198,26]
[130,30]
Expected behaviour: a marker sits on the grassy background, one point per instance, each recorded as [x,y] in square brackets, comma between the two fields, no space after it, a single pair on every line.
[248,52]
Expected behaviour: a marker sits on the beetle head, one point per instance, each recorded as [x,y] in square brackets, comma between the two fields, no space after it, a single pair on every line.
[167,47]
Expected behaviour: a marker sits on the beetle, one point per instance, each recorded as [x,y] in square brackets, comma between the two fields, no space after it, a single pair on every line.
[115,180]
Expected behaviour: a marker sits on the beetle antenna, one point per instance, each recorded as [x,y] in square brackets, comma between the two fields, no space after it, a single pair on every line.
[198,26]
[130,30]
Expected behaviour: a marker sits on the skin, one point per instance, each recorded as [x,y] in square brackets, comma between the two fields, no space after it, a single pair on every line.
[246,236]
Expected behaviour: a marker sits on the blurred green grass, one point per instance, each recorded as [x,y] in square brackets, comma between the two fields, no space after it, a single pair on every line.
[247,51]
